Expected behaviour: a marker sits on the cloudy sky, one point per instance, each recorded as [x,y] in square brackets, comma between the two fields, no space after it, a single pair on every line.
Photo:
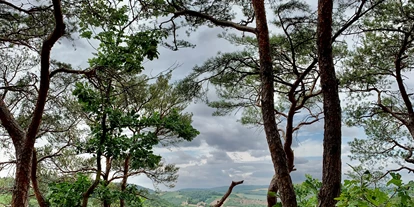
[225,150]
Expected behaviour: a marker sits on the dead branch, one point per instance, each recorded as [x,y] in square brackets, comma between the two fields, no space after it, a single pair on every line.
[233,183]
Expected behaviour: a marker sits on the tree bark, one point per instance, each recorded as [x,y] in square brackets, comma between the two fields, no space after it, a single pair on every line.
[284,182]
[40,199]
[271,191]
[108,167]
[124,179]
[22,178]
[331,177]
[24,141]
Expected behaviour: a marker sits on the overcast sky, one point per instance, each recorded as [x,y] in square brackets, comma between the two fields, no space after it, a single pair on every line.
[225,150]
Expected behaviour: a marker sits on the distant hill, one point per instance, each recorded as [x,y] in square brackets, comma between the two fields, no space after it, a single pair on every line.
[242,196]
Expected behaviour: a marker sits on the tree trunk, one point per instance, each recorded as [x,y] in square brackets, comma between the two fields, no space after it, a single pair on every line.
[284,182]
[331,177]
[24,141]
[271,191]
[102,138]
[124,179]
[108,167]
[40,199]
[22,178]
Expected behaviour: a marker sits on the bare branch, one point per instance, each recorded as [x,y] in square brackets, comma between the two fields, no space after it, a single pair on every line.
[222,23]
[232,185]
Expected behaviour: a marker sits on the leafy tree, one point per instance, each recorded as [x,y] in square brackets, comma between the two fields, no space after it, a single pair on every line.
[65,194]
[27,27]
[376,79]
[126,115]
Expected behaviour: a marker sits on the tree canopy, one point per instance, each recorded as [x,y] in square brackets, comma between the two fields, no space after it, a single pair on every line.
[75,136]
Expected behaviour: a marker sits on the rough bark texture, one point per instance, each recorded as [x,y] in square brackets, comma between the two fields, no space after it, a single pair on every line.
[22,177]
[39,197]
[272,199]
[331,178]
[24,141]
[284,182]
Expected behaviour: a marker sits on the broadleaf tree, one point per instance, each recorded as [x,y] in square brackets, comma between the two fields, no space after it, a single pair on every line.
[127,116]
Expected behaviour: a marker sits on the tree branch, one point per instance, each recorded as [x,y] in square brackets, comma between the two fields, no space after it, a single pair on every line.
[10,124]
[88,73]
[355,17]
[33,9]
[398,68]
[44,73]
[232,185]
[222,23]
[40,199]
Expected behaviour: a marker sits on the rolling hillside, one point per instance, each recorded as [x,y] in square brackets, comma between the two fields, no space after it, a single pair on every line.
[246,196]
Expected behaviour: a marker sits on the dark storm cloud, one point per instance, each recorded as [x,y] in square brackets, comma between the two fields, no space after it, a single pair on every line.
[232,136]
[194,143]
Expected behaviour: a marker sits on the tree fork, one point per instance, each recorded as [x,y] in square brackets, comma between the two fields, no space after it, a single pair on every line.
[284,181]
[24,142]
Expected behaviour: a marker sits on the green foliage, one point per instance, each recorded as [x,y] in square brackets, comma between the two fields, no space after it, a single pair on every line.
[68,194]
[307,192]
[382,57]
[112,194]
[126,115]
[235,75]
[360,193]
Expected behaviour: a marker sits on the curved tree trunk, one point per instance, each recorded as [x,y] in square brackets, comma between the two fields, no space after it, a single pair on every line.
[331,177]
[40,199]
[271,193]
[284,182]
[24,141]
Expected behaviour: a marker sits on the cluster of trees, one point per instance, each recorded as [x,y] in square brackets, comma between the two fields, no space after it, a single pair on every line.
[103,121]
